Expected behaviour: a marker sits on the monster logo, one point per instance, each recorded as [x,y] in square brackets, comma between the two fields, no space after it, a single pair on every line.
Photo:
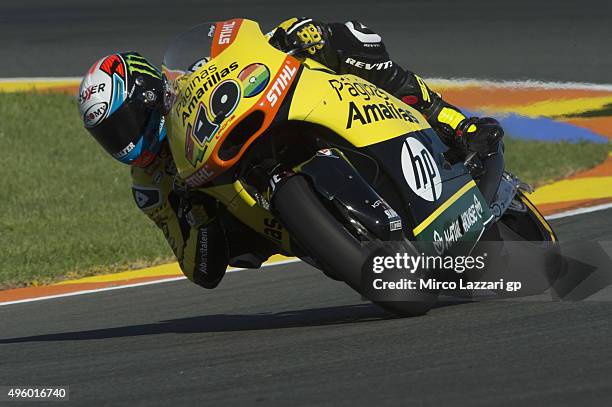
[136,63]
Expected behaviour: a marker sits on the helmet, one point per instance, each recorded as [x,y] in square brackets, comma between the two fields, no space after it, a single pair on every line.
[120,101]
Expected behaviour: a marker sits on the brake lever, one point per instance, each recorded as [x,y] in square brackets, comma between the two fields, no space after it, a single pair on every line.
[469,158]
[474,167]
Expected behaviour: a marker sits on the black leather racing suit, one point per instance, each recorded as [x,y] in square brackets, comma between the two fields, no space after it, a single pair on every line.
[353,48]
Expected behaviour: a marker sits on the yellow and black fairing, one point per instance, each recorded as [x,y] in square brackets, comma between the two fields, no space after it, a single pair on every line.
[206,136]
[373,130]
[216,144]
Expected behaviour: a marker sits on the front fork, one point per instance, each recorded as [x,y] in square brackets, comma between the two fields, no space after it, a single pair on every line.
[489,171]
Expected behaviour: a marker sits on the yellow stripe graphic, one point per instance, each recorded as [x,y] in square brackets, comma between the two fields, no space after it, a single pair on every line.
[443,207]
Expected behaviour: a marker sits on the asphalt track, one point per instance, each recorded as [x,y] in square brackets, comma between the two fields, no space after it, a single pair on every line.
[288,335]
[562,40]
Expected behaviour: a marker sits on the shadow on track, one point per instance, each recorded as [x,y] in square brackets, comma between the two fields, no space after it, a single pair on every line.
[226,323]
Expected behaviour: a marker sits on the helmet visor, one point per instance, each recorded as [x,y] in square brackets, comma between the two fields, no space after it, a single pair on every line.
[120,132]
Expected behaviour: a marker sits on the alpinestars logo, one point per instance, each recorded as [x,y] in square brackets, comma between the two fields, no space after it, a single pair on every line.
[420,170]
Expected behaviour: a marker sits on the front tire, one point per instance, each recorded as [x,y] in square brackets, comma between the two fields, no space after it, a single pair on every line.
[322,236]
[527,235]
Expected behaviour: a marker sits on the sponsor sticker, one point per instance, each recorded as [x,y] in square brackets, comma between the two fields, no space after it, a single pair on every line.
[347,87]
[125,151]
[200,176]
[86,93]
[254,79]
[420,170]
[94,114]
[224,35]
[282,82]
[451,234]
[438,242]
[200,83]
[227,30]
[375,105]
[326,152]
[146,197]
[395,225]
[391,214]
[102,90]
[369,66]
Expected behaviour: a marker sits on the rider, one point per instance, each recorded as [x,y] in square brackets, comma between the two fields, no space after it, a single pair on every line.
[129,124]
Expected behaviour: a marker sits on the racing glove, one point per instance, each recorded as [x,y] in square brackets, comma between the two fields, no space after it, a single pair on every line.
[479,135]
[305,38]
[463,134]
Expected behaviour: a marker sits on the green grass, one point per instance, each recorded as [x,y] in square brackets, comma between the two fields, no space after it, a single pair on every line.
[67,210]
[539,162]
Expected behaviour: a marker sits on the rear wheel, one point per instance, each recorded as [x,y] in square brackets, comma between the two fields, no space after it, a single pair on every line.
[323,237]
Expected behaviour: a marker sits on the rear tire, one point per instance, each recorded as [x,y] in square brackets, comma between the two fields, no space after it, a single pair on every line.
[322,236]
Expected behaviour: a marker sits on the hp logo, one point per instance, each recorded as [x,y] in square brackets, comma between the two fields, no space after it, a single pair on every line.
[420,170]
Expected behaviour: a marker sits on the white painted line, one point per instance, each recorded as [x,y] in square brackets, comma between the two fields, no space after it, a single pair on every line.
[97,290]
[164,280]
[560,215]
[579,211]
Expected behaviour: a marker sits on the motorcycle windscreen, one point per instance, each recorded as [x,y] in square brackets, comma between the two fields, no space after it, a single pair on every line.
[445,205]
[189,52]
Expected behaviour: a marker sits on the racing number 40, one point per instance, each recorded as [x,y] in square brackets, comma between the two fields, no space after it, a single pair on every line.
[223,102]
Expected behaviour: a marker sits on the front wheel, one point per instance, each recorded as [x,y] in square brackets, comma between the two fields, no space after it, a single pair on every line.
[324,238]
[528,250]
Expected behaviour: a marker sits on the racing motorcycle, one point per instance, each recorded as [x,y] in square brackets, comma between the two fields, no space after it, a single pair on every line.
[329,167]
